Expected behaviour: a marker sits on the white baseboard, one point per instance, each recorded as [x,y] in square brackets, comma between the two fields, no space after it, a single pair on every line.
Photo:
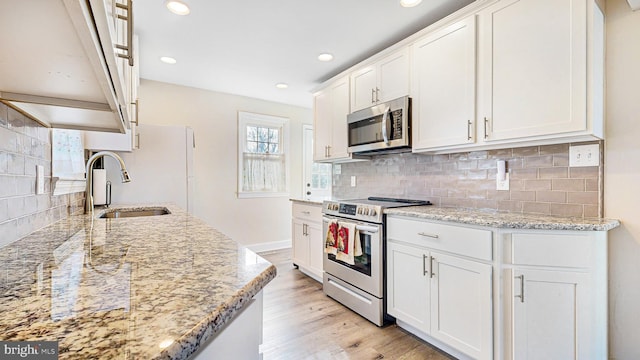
[270,246]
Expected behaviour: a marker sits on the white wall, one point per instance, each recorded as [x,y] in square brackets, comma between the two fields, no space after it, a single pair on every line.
[214,119]
[622,177]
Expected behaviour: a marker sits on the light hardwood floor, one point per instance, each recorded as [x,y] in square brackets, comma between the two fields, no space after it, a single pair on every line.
[301,322]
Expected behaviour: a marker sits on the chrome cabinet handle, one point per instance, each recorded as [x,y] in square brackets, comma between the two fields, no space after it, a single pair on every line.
[486,122]
[373,93]
[135,103]
[328,150]
[424,264]
[434,236]
[377,94]
[306,212]
[129,19]
[468,129]
[431,266]
[385,125]
[521,296]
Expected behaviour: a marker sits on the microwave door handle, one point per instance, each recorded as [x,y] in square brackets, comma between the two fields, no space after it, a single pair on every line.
[385,125]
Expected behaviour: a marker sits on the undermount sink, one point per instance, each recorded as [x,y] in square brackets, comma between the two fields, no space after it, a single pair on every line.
[122,213]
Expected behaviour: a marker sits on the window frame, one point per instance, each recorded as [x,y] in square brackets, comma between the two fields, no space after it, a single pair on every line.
[261,120]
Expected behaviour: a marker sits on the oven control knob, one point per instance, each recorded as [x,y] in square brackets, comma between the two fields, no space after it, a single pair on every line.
[359,211]
[373,212]
[366,212]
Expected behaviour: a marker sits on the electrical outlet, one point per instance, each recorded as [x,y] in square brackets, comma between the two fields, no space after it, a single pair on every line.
[584,155]
[353,181]
[337,169]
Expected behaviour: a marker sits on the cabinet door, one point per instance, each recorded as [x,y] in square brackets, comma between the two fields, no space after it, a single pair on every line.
[321,124]
[443,86]
[533,68]
[408,285]
[316,248]
[300,244]
[339,109]
[363,92]
[393,76]
[461,304]
[550,316]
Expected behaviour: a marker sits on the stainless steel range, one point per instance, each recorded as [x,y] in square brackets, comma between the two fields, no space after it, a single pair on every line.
[359,283]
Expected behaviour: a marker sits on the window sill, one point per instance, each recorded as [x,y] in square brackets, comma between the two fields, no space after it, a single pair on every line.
[249,195]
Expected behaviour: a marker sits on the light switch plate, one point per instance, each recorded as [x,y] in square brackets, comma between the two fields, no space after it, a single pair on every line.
[353,181]
[337,169]
[584,155]
[39,179]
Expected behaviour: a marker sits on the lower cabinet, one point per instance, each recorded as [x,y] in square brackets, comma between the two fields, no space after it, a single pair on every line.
[445,298]
[556,306]
[307,239]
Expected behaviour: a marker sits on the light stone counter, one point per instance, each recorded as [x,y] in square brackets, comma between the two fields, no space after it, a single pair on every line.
[504,220]
[129,288]
[304,201]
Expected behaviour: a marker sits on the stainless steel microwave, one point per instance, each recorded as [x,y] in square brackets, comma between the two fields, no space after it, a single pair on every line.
[381,128]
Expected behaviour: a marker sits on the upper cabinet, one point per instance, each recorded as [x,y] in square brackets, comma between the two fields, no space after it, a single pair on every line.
[443,83]
[540,70]
[69,65]
[384,80]
[330,109]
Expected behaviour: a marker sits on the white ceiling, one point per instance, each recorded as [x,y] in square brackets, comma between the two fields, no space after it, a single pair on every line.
[246,47]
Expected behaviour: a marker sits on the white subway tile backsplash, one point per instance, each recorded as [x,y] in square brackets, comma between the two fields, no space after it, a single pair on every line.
[23,145]
[540,180]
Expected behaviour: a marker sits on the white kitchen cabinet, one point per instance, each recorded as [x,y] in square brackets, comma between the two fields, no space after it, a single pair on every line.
[384,80]
[307,242]
[556,306]
[540,71]
[443,86]
[442,295]
[330,109]
[85,89]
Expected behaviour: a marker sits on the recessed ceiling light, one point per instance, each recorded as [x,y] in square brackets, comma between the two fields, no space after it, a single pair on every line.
[410,3]
[325,57]
[282,85]
[178,7]
[168,60]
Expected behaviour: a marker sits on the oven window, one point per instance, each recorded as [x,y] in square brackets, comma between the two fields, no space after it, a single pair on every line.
[362,263]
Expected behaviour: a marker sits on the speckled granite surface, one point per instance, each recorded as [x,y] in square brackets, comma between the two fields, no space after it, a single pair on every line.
[311,202]
[129,288]
[504,220]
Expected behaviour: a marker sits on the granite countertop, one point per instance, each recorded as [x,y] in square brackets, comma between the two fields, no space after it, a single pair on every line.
[304,201]
[504,220]
[142,287]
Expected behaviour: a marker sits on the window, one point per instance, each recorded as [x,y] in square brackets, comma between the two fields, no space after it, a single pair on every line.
[262,159]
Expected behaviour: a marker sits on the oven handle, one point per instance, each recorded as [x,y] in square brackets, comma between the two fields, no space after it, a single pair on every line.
[364,228]
[385,123]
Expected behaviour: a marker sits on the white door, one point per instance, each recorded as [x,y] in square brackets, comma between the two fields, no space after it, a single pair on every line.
[550,316]
[408,285]
[443,86]
[461,307]
[317,176]
[532,77]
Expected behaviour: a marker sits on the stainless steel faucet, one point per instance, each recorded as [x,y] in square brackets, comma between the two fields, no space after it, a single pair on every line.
[88,202]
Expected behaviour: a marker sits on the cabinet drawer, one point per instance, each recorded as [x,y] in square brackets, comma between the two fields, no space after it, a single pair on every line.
[477,243]
[564,250]
[307,212]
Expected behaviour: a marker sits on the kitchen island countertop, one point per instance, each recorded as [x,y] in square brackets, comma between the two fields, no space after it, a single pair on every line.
[504,220]
[142,287]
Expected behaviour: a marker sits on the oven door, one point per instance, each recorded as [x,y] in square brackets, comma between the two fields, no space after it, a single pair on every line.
[367,273]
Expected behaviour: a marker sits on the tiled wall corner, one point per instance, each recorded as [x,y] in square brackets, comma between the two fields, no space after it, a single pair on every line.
[541,181]
[24,144]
